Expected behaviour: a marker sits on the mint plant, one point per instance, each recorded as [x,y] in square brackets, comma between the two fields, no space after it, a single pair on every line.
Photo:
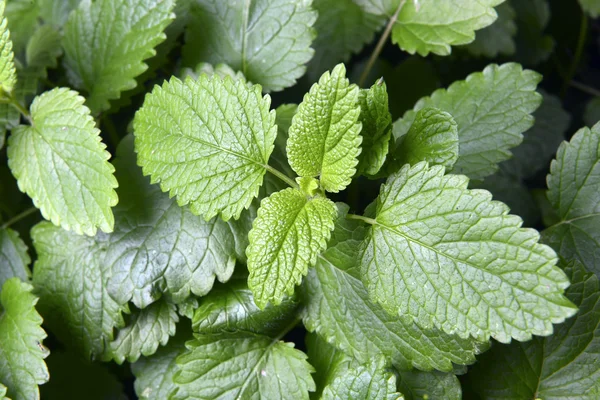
[208,199]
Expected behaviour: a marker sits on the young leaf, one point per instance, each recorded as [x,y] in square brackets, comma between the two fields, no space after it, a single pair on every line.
[232,308]
[338,308]
[8,74]
[207,142]
[492,109]
[288,233]
[147,329]
[22,354]
[591,7]
[376,128]
[106,43]
[562,366]
[429,385]
[242,365]
[498,38]
[432,137]
[446,256]
[324,139]
[267,40]
[574,192]
[70,278]
[14,260]
[62,148]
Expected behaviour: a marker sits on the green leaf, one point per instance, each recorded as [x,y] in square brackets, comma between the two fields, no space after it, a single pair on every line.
[70,278]
[324,139]
[591,7]
[492,109]
[8,74]
[432,137]
[63,148]
[106,43]
[562,366]
[337,307]
[498,38]
[215,157]
[221,70]
[288,234]
[22,354]
[446,256]
[376,128]
[242,365]
[23,19]
[14,260]
[533,16]
[279,159]
[43,49]
[147,329]
[10,117]
[574,192]
[267,40]
[429,385]
[55,12]
[3,390]
[231,308]
[592,112]
[343,29]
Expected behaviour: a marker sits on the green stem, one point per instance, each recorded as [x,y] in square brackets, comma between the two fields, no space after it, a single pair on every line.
[282,176]
[382,40]
[369,221]
[583,28]
[18,217]
[585,88]
[17,104]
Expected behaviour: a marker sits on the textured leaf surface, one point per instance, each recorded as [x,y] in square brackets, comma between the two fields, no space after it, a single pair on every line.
[8,75]
[562,366]
[324,139]
[574,192]
[70,278]
[267,40]
[147,329]
[498,38]
[106,43]
[288,233]
[416,385]
[22,354]
[492,109]
[376,130]
[450,257]
[207,142]
[63,149]
[242,365]
[14,260]
[339,309]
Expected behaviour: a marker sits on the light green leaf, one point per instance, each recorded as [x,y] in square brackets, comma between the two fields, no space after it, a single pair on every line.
[22,354]
[8,74]
[244,366]
[221,70]
[417,385]
[63,148]
[432,137]
[591,7]
[266,40]
[106,43]
[498,38]
[288,233]
[147,329]
[446,256]
[3,390]
[324,139]
[533,16]
[70,278]
[574,192]
[492,109]
[55,12]
[376,128]
[231,308]
[562,366]
[337,307]
[343,29]
[14,260]
[207,142]
[43,49]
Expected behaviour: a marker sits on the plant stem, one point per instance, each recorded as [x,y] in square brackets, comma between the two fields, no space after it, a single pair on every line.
[17,104]
[18,217]
[382,40]
[282,176]
[583,28]
[585,88]
[369,221]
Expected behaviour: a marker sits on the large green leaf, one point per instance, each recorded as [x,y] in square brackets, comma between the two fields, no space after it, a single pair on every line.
[267,40]
[22,354]
[574,192]
[324,139]
[60,162]
[289,232]
[14,260]
[206,141]
[8,75]
[492,109]
[446,256]
[106,43]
